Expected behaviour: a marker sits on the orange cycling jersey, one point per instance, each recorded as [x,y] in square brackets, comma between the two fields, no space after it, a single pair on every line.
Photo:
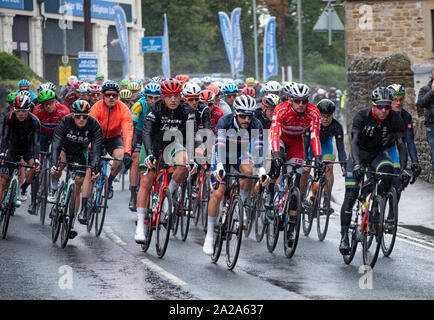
[288,124]
[115,121]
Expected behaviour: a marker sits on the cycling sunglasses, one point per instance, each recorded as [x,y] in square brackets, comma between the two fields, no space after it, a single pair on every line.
[192,99]
[245,116]
[22,110]
[81,115]
[382,106]
[300,101]
[111,95]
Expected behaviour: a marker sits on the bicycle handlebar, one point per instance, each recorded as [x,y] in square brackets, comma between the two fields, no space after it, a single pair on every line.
[19,164]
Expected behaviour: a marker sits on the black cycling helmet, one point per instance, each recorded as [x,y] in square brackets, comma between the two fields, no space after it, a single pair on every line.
[23,102]
[110,85]
[80,106]
[326,106]
[381,95]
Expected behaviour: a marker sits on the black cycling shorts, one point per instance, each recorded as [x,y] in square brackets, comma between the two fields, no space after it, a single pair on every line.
[111,144]
[15,155]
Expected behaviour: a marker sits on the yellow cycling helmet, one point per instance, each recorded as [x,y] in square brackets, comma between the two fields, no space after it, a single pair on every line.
[250,81]
[125,94]
[133,86]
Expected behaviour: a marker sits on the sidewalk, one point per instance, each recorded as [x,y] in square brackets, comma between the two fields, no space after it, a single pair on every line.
[416,208]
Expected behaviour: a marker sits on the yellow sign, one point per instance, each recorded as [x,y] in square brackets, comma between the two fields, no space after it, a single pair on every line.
[64,74]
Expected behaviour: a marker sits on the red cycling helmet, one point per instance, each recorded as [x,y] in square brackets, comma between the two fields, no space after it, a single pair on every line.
[77,84]
[171,86]
[214,89]
[249,91]
[207,96]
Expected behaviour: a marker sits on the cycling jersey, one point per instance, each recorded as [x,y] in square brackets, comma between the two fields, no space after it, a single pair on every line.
[21,136]
[224,107]
[289,126]
[114,122]
[230,137]
[74,141]
[160,119]
[216,114]
[70,98]
[138,111]
[203,116]
[266,123]
[49,121]
[369,136]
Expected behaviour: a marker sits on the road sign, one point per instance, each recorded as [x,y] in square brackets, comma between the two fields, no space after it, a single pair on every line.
[329,19]
[65,59]
[87,65]
[152,44]
[64,74]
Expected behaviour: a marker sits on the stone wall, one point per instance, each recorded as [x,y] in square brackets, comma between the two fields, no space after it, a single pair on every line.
[365,74]
[379,28]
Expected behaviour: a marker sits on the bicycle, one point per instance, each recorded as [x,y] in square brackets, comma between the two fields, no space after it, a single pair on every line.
[8,206]
[45,180]
[97,207]
[368,229]
[259,211]
[280,219]
[183,208]
[200,204]
[64,208]
[159,214]
[230,222]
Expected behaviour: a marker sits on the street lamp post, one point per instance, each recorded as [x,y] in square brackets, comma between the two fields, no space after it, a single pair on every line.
[300,41]
[255,36]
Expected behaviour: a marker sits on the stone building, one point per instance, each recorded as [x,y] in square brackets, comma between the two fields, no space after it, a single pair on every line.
[35,30]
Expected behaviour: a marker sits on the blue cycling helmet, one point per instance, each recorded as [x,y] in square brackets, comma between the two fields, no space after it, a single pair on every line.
[153,89]
[24,83]
[139,82]
[110,85]
[230,88]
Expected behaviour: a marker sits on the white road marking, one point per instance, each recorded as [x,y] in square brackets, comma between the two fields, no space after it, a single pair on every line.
[113,236]
[414,243]
[163,272]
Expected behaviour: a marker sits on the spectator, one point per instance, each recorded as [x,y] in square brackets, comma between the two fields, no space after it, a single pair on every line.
[425,100]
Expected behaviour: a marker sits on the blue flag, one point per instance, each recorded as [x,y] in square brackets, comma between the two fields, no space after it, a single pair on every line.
[225,26]
[122,31]
[270,52]
[165,59]
[237,42]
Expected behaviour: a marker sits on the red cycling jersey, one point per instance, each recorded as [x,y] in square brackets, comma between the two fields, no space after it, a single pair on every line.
[216,114]
[288,127]
[49,121]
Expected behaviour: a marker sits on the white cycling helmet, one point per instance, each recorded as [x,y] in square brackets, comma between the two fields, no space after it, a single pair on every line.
[245,104]
[156,79]
[272,86]
[219,84]
[321,92]
[288,86]
[300,90]
[206,80]
[84,87]
[191,89]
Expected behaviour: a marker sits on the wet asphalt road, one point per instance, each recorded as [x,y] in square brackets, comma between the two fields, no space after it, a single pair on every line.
[113,266]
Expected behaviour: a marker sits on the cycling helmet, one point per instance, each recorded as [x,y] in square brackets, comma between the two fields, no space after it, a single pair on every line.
[299,90]
[191,89]
[156,79]
[84,87]
[125,94]
[46,95]
[77,84]
[206,81]
[287,87]
[71,80]
[270,101]
[93,88]
[183,78]
[11,96]
[80,106]
[250,81]
[24,83]
[99,76]
[214,89]
[152,89]
[397,90]
[272,86]
[207,96]
[133,86]
[139,82]
[326,106]
[219,84]
[245,104]
[381,95]
[124,82]
[47,85]
[110,85]
[25,93]
[171,86]
[249,91]
[23,102]
[230,88]
[332,89]
[321,92]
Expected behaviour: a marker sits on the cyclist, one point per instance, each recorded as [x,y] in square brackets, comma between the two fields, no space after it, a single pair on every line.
[330,128]
[94,94]
[273,87]
[135,88]
[24,85]
[124,84]
[150,95]
[21,140]
[73,95]
[269,103]
[191,93]
[290,120]
[372,130]
[83,91]
[218,99]
[46,85]
[287,91]
[398,93]
[249,91]
[206,81]
[167,114]
[208,97]
[99,79]
[71,144]
[118,129]
[318,96]
[230,91]
[240,127]
[6,111]
[125,96]
[69,86]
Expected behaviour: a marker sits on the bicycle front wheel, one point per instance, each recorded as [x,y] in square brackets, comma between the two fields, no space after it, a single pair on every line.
[56,214]
[101,207]
[68,211]
[353,244]
[92,208]
[323,209]
[259,209]
[372,237]
[234,233]
[187,209]
[309,206]
[164,224]
[390,223]
[9,208]
[292,228]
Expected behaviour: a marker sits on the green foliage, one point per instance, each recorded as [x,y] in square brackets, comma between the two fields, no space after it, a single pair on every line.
[328,75]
